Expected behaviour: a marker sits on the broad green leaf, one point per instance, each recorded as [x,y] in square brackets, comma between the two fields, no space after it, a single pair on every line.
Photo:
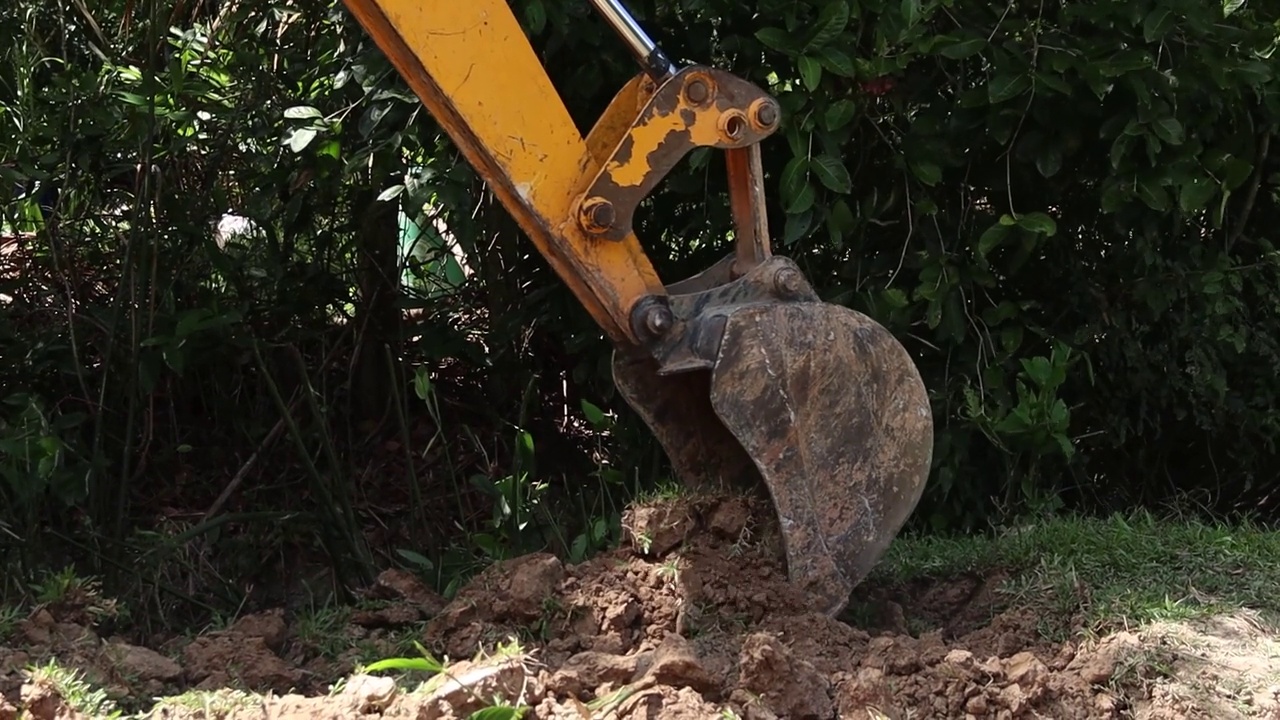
[794,177]
[776,38]
[1054,82]
[1235,171]
[1168,130]
[1049,162]
[894,298]
[422,664]
[302,112]
[1119,149]
[391,192]
[1113,196]
[1038,369]
[991,239]
[841,217]
[831,22]
[416,558]
[1157,23]
[839,114]
[802,201]
[1123,62]
[535,14]
[1194,196]
[927,172]
[301,138]
[1038,222]
[1153,195]
[933,315]
[833,174]
[797,226]
[810,72]
[837,62]
[1257,72]
[1229,7]
[911,11]
[331,148]
[594,415]
[133,98]
[1011,338]
[963,49]
[1005,87]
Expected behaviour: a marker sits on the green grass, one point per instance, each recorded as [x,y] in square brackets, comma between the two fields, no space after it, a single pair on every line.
[1134,569]
[78,694]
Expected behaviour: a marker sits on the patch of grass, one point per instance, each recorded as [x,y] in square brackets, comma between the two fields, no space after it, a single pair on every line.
[323,630]
[1122,570]
[211,703]
[74,691]
[662,491]
[10,616]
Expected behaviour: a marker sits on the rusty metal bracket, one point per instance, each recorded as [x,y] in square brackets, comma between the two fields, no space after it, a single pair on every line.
[682,331]
[697,107]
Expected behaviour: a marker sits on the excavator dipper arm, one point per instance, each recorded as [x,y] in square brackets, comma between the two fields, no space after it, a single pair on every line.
[472,66]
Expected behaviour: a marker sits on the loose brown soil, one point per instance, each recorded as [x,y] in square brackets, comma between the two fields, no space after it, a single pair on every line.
[693,618]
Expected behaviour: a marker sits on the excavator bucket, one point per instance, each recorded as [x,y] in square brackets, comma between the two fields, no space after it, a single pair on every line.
[816,400]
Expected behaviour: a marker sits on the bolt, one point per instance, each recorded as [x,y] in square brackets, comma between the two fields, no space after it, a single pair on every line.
[788,282]
[658,319]
[697,91]
[767,114]
[597,215]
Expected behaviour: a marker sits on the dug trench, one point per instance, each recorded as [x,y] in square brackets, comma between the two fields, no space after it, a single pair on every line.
[691,618]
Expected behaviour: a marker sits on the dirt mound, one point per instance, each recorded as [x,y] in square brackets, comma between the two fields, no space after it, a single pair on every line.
[693,617]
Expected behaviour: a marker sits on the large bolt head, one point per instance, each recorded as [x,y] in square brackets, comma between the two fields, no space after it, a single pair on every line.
[658,319]
[697,91]
[766,114]
[788,282]
[597,215]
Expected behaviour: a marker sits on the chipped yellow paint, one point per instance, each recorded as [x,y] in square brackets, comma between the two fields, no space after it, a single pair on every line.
[648,137]
[472,66]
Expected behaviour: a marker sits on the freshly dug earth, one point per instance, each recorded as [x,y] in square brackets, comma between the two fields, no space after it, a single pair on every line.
[692,618]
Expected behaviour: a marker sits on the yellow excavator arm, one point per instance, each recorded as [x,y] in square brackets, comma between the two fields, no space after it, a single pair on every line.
[742,373]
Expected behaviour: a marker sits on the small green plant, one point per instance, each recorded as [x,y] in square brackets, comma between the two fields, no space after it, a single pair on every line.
[66,588]
[223,702]
[62,585]
[323,629]
[645,541]
[1029,425]
[75,691]
[425,662]
[670,569]
[9,617]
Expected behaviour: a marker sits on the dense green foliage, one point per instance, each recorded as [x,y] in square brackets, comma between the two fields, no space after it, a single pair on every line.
[1064,209]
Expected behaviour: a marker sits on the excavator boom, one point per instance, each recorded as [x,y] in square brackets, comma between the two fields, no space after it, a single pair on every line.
[743,374]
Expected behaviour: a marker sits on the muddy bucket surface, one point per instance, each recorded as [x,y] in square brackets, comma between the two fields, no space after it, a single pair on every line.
[827,407]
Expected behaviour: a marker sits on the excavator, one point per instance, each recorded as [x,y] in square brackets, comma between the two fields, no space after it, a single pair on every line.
[742,372]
